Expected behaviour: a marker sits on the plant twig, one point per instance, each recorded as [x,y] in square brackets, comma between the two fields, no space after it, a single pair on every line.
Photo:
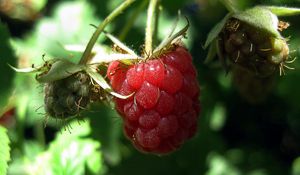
[150,27]
[155,32]
[229,5]
[86,54]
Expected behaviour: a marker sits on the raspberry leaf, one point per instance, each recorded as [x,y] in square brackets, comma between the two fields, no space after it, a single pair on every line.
[59,70]
[7,75]
[261,18]
[4,150]
[296,166]
[70,153]
[283,11]
[216,30]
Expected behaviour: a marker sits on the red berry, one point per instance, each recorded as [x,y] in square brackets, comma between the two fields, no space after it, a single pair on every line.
[162,113]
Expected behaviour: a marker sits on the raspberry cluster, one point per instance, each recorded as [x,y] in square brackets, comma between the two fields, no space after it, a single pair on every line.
[252,48]
[162,113]
[65,98]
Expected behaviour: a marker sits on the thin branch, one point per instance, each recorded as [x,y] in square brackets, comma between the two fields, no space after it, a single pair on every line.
[86,54]
[150,27]
[229,5]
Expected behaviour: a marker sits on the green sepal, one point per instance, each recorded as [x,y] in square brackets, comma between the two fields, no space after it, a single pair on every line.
[213,34]
[59,70]
[171,38]
[283,11]
[221,56]
[260,18]
[212,52]
[116,41]
[25,70]
[101,82]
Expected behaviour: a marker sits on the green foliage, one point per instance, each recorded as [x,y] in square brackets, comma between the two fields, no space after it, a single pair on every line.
[219,165]
[234,136]
[296,167]
[4,151]
[6,73]
[70,153]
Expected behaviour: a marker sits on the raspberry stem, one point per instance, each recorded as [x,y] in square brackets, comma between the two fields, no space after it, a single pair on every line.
[229,5]
[155,35]
[87,52]
[150,27]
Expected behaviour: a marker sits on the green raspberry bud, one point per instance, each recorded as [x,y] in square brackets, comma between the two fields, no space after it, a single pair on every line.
[67,97]
[252,39]
[253,89]
[253,49]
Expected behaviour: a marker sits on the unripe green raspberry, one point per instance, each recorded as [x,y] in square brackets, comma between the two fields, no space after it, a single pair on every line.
[65,98]
[252,88]
[252,49]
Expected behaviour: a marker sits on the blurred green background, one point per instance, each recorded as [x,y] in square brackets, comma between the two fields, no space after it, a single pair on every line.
[235,137]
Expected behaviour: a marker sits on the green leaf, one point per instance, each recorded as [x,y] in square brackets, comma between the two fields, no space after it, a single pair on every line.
[60,29]
[296,166]
[60,69]
[218,117]
[220,165]
[4,150]
[101,82]
[216,30]
[6,73]
[261,18]
[283,11]
[70,153]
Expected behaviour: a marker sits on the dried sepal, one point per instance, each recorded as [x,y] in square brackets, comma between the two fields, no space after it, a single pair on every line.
[122,46]
[33,69]
[170,40]
[101,82]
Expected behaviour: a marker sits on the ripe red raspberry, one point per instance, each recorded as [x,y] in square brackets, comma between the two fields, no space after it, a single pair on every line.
[163,111]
